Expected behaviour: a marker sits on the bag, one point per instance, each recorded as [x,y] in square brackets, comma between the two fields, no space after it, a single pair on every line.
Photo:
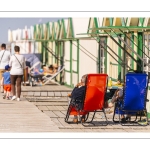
[18,61]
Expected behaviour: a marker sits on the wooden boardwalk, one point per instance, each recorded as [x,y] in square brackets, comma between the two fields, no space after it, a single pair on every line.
[43,109]
[56,109]
[23,116]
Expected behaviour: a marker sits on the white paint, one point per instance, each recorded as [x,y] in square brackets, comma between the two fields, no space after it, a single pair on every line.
[80,25]
[87,64]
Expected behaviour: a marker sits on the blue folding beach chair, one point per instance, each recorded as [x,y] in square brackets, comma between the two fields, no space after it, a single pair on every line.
[134,97]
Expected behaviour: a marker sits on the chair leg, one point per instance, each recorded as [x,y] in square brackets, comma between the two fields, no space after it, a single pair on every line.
[105,116]
[68,113]
[114,115]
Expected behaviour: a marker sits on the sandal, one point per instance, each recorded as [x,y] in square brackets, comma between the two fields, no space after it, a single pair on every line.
[128,118]
[75,120]
[83,119]
[123,120]
[4,96]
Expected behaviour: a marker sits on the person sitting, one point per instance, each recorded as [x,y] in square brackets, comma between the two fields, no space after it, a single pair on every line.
[55,68]
[78,95]
[118,95]
[51,69]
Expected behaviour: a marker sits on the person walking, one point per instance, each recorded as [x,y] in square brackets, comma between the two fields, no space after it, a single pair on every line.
[17,64]
[4,60]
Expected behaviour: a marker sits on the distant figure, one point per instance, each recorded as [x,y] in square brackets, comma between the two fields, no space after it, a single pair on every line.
[55,68]
[4,60]
[17,63]
[51,69]
[6,83]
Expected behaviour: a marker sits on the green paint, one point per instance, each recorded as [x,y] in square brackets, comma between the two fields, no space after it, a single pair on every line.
[114,64]
[119,66]
[123,22]
[105,54]
[111,21]
[132,61]
[42,52]
[98,59]
[34,32]
[46,54]
[89,25]
[71,27]
[64,29]
[71,64]
[68,85]
[96,24]
[140,50]
[48,31]
[67,71]
[148,114]
[141,21]
[78,59]
[53,32]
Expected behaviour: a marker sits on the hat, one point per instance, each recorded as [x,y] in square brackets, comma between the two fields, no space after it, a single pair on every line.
[7,67]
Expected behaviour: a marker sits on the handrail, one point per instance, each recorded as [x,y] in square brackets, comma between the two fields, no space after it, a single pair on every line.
[138,39]
[134,43]
[132,49]
[124,50]
[86,53]
[53,53]
[111,54]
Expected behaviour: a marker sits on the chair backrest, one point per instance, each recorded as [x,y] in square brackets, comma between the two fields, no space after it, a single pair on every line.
[96,87]
[135,92]
[60,69]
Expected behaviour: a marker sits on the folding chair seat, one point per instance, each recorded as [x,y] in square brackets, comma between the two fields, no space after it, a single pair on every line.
[134,98]
[51,78]
[94,96]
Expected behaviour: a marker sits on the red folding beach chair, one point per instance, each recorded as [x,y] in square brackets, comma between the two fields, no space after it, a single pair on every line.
[95,92]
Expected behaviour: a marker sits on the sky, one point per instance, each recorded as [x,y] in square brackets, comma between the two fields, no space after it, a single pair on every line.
[15,23]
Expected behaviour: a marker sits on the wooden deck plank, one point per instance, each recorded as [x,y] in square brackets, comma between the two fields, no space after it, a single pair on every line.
[43,93]
[64,94]
[50,93]
[52,108]
[57,94]
[57,122]
[30,93]
[60,108]
[24,116]
[66,125]
[50,103]
[42,108]
[37,94]
[50,114]
[65,107]
[59,114]
[64,112]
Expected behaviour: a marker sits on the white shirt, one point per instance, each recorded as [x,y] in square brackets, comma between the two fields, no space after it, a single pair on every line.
[4,58]
[16,67]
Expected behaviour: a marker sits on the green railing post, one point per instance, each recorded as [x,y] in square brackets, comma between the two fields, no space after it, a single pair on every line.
[140,49]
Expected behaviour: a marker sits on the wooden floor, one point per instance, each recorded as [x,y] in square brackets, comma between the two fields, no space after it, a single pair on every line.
[43,109]
[23,116]
[56,109]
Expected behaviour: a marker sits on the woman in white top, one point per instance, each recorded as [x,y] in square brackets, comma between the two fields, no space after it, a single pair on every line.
[17,64]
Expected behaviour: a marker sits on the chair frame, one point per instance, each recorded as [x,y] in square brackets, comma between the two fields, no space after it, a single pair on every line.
[128,123]
[48,79]
[73,105]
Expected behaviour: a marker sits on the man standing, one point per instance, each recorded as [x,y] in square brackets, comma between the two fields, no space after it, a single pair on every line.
[4,60]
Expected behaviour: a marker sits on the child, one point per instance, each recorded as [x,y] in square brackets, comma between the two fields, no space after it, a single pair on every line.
[6,82]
